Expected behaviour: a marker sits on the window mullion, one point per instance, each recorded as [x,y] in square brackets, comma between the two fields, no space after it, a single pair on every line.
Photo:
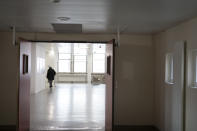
[72,58]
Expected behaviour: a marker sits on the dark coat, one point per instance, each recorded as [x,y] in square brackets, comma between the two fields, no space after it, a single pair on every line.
[51,74]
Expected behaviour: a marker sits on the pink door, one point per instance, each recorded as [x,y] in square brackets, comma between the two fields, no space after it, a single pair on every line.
[24,87]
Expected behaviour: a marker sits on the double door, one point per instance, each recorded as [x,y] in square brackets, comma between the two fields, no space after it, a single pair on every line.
[181,91]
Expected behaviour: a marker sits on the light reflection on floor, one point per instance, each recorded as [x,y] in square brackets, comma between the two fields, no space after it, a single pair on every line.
[69,107]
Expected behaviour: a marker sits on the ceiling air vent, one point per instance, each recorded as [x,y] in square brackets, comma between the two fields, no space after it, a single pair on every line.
[67,28]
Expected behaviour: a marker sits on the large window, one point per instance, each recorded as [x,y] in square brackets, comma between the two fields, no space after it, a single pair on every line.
[64,62]
[99,58]
[80,57]
[72,58]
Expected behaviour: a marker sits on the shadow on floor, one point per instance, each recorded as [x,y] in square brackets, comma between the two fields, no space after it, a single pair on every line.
[8,128]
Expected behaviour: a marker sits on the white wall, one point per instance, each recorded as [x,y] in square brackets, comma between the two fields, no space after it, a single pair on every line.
[38,68]
[51,56]
[33,69]
[134,75]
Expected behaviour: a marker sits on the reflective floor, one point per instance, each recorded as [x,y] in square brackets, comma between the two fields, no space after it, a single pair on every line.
[69,107]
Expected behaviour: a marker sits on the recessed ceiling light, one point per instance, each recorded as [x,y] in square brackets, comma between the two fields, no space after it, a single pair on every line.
[55,1]
[63,18]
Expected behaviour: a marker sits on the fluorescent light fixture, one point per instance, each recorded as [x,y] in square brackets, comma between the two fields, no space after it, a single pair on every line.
[63,18]
[55,1]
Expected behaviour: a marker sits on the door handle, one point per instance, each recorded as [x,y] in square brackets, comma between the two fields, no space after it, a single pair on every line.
[109,65]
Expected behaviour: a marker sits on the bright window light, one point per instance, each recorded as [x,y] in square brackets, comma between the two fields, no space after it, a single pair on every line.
[194,69]
[64,66]
[40,65]
[99,58]
[169,71]
[73,57]
[64,57]
[80,58]
[64,48]
[51,53]
[80,66]
[64,63]
[80,49]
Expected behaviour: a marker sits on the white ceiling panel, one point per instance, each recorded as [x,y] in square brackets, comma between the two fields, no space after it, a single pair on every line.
[96,16]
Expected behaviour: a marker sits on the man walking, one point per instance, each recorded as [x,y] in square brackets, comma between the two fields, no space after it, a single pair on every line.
[50,76]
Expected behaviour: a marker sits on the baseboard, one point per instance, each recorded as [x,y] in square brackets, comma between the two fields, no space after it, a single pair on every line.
[134,128]
[7,128]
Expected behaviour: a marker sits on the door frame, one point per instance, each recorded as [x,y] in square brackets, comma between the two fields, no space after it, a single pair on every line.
[70,41]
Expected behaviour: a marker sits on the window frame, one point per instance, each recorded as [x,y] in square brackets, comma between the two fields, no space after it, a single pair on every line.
[72,60]
[169,68]
[65,59]
[194,68]
[74,65]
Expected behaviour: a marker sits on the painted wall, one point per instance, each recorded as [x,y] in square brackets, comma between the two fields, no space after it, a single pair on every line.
[134,76]
[9,80]
[38,68]
[134,90]
[33,68]
[163,43]
[51,53]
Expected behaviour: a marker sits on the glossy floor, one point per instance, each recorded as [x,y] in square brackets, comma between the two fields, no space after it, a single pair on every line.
[69,107]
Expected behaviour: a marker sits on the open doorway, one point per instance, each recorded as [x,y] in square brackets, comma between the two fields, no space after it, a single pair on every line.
[79,98]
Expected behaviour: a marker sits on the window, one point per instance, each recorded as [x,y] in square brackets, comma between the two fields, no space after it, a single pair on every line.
[64,62]
[169,72]
[99,58]
[194,69]
[64,58]
[80,58]
[72,57]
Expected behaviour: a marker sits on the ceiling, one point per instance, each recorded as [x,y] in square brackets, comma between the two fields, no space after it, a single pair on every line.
[96,16]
